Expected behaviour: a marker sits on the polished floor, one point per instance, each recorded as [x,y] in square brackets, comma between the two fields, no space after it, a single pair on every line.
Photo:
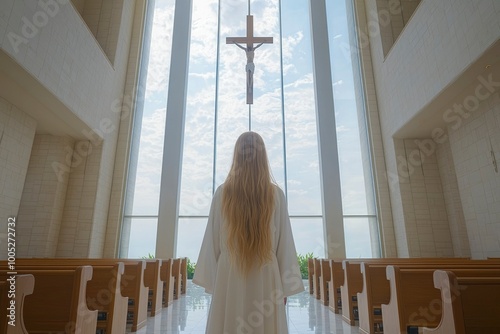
[189,315]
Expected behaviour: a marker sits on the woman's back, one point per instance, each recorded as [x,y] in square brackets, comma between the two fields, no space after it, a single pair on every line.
[248,260]
[251,302]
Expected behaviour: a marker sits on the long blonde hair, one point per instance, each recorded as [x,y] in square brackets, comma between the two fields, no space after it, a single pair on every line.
[248,203]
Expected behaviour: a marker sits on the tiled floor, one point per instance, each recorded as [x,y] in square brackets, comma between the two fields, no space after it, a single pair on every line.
[189,315]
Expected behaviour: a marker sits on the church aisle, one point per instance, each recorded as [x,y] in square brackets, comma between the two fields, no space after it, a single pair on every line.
[189,315]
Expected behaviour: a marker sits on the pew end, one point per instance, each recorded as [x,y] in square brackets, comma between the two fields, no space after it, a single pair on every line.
[317,278]
[68,311]
[324,283]
[24,287]
[336,280]
[353,284]
[168,283]
[310,274]
[470,304]
[397,320]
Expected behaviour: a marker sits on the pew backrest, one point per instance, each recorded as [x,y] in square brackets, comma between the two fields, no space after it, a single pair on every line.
[414,301]
[58,301]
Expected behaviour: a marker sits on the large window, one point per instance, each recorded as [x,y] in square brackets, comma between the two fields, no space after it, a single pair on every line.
[360,223]
[283,112]
[143,189]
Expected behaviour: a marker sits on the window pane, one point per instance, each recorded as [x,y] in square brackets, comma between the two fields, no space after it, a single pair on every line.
[232,112]
[190,236]
[355,181]
[304,190]
[266,108]
[361,235]
[142,237]
[220,112]
[197,162]
[308,236]
[151,127]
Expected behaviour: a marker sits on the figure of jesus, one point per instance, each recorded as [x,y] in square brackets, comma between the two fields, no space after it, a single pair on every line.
[250,69]
[250,52]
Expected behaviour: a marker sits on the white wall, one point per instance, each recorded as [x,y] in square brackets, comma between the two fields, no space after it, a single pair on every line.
[62,54]
[80,208]
[425,218]
[472,144]
[441,40]
[458,229]
[17,131]
[44,194]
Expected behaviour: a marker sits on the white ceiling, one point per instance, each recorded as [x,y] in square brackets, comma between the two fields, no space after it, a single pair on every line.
[431,116]
[25,92]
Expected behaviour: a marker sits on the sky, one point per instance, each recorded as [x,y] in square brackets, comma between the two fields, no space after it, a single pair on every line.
[276,93]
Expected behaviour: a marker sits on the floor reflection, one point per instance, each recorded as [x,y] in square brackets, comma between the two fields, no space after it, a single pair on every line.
[188,314]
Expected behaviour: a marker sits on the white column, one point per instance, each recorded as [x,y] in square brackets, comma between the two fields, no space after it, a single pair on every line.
[166,239]
[327,136]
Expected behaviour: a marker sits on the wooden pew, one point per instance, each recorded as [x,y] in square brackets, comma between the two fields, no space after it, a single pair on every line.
[325,278]
[353,280]
[183,270]
[58,303]
[152,279]
[414,301]
[137,281]
[469,304]
[23,286]
[376,288]
[176,273]
[133,287]
[103,292]
[310,274]
[317,278]
[353,283]
[132,282]
[168,282]
[336,280]
[375,292]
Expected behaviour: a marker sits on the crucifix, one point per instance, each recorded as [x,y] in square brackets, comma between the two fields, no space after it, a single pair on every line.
[249,50]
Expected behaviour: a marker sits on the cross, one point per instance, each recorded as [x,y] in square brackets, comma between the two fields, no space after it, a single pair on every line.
[249,50]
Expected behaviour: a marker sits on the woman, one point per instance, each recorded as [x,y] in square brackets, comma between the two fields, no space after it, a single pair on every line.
[247,259]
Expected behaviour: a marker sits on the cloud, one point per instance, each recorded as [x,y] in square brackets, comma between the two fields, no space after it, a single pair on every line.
[147,184]
[160,50]
[289,44]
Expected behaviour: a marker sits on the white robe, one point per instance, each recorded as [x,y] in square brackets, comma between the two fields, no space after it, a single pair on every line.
[251,305]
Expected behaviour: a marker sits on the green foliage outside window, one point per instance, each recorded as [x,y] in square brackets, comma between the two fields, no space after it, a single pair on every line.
[149,256]
[303,259]
[190,268]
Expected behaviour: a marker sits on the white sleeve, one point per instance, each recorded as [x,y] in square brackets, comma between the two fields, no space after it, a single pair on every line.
[206,266]
[286,254]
